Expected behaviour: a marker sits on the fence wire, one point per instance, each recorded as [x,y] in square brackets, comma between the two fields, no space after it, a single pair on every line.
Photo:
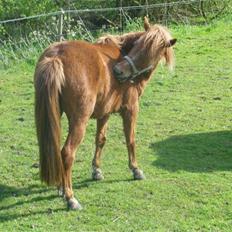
[27,37]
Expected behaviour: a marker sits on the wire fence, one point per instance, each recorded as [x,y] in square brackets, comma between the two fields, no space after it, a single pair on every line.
[25,38]
[28,36]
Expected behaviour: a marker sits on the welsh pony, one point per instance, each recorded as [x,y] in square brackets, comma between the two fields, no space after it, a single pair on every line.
[92,80]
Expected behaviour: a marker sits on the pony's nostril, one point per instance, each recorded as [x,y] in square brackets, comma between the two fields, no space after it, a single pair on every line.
[117,70]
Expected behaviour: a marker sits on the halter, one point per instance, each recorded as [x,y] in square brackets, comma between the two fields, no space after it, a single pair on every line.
[135,71]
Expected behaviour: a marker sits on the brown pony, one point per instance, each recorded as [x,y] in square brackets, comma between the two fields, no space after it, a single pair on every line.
[87,80]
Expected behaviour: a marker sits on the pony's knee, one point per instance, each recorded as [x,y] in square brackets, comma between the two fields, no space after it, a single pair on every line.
[67,156]
[101,142]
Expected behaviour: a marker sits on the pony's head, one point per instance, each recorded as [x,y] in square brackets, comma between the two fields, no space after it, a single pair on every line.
[152,46]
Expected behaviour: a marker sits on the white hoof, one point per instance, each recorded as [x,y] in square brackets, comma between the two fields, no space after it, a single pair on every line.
[138,174]
[97,174]
[73,204]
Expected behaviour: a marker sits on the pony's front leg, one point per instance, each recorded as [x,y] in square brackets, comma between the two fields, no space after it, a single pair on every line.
[100,142]
[129,116]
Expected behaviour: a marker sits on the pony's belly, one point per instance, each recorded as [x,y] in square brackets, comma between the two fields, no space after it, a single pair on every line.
[100,110]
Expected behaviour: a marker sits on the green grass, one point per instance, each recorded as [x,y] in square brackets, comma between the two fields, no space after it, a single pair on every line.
[184,146]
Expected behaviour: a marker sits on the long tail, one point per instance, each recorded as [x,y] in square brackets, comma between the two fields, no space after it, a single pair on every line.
[49,79]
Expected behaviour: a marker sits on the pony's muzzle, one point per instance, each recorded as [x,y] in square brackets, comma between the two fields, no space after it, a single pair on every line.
[119,74]
[117,71]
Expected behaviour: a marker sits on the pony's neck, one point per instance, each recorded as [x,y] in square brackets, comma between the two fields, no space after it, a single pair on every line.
[128,40]
[142,83]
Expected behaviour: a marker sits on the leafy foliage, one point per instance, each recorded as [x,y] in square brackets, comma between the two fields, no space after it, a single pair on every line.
[10,9]
[20,39]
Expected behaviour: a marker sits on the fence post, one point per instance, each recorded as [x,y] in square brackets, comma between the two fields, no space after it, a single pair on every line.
[68,20]
[147,14]
[121,18]
[60,27]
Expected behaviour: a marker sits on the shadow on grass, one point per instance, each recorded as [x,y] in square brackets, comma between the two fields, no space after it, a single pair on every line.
[9,217]
[203,152]
[22,193]
[88,182]
[9,191]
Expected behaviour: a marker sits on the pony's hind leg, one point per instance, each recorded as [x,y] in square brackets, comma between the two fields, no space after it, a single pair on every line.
[76,133]
[100,142]
[60,188]
[60,191]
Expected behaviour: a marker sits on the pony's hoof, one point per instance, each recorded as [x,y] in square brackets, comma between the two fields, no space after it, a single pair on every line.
[97,174]
[138,174]
[73,204]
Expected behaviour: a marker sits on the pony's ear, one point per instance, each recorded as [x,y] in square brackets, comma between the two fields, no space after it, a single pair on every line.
[171,42]
[146,23]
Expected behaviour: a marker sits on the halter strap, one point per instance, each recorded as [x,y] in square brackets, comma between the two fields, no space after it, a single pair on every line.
[135,71]
[130,61]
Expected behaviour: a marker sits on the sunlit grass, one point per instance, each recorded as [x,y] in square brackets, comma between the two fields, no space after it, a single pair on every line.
[184,144]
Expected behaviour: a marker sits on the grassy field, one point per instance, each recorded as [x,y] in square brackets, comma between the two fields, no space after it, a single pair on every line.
[184,145]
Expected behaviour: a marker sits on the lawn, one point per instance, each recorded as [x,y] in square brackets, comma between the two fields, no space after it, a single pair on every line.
[184,146]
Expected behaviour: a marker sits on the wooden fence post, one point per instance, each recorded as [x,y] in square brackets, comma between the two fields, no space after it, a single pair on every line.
[121,18]
[60,27]
[147,13]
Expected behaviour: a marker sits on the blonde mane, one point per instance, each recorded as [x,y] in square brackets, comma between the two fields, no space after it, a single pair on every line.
[156,36]
[159,36]
[121,41]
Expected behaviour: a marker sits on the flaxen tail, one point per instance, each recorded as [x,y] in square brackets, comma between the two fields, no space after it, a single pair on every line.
[49,79]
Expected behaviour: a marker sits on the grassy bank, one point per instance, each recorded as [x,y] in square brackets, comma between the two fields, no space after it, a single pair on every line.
[184,144]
